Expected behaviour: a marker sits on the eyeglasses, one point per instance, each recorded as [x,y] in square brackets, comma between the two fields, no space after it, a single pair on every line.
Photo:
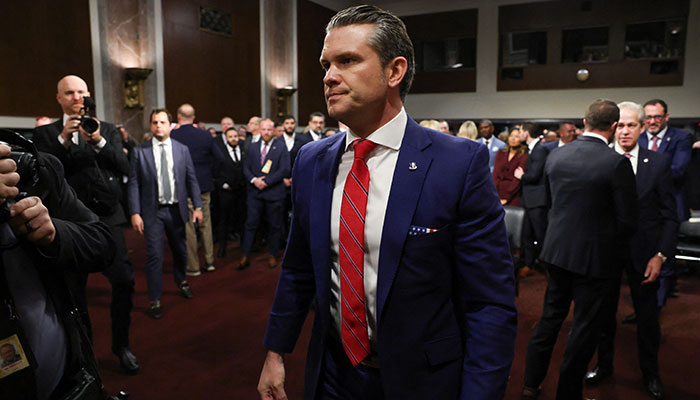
[655,117]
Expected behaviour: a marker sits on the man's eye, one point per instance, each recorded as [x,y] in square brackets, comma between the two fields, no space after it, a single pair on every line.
[347,60]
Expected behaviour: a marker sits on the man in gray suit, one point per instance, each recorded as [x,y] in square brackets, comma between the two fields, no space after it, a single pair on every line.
[161,179]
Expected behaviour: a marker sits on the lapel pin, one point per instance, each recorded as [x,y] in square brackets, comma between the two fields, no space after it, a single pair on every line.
[646,160]
[668,138]
[412,166]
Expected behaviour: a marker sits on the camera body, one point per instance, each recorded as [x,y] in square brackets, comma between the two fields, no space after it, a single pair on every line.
[25,156]
[88,115]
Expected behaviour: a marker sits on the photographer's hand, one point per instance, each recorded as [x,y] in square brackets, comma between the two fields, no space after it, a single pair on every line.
[8,177]
[92,138]
[72,125]
[29,217]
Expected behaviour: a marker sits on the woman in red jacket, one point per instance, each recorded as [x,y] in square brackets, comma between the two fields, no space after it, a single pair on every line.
[512,156]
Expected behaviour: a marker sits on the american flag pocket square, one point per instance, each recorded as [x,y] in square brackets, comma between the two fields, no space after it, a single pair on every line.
[415,230]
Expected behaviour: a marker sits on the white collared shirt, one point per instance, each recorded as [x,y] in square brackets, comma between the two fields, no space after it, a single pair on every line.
[232,151]
[381,163]
[289,140]
[532,145]
[171,171]
[315,136]
[597,136]
[255,138]
[659,135]
[634,153]
[75,138]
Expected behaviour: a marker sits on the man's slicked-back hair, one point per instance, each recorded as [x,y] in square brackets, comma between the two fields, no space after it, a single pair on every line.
[634,107]
[390,39]
[317,114]
[157,111]
[601,115]
[532,129]
[654,102]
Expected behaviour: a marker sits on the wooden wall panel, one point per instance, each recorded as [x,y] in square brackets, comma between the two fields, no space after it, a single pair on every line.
[219,75]
[41,42]
[311,24]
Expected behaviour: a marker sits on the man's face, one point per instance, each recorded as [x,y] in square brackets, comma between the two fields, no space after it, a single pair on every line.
[160,126]
[628,129]
[485,130]
[232,138]
[289,125]
[521,133]
[71,90]
[567,133]
[355,84]
[7,352]
[279,130]
[242,134]
[267,130]
[226,123]
[317,123]
[655,118]
[444,128]
[253,125]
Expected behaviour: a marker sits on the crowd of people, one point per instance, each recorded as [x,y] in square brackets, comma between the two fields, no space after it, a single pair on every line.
[373,195]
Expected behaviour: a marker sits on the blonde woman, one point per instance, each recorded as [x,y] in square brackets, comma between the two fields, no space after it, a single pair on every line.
[468,130]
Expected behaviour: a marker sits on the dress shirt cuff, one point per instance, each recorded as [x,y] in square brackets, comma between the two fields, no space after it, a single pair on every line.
[62,141]
[99,145]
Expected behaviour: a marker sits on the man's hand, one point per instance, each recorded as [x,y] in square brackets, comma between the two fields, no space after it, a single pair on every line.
[29,217]
[8,177]
[197,216]
[271,384]
[72,125]
[137,223]
[259,183]
[519,172]
[92,138]
[287,182]
[653,269]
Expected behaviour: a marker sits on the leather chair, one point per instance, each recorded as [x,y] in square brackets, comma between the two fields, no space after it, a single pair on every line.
[514,226]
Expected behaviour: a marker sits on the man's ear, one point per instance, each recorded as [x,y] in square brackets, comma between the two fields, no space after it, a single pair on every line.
[395,71]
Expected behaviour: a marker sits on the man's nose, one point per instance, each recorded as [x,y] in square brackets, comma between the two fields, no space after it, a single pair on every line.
[331,77]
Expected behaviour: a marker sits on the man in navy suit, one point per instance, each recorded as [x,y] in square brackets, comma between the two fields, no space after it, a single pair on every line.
[491,142]
[206,158]
[161,179]
[265,167]
[403,250]
[649,248]
[676,145]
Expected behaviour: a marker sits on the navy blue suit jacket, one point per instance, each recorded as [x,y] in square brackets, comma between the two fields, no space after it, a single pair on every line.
[446,318]
[658,223]
[677,146]
[143,181]
[278,154]
[206,155]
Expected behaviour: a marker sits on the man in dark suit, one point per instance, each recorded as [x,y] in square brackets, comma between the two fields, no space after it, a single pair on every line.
[206,157]
[265,167]
[161,179]
[676,145]
[402,250]
[594,206]
[231,185]
[294,142]
[534,198]
[93,160]
[317,123]
[654,239]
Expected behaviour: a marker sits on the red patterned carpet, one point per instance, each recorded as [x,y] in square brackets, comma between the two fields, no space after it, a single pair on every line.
[210,347]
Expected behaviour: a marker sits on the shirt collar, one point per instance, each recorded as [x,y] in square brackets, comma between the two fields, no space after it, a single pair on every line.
[659,135]
[597,136]
[166,142]
[389,135]
[65,118]
[634,152]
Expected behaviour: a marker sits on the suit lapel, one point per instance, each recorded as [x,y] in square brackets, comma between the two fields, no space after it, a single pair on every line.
[325,171]
[643,170]
[150,160]
[405,190]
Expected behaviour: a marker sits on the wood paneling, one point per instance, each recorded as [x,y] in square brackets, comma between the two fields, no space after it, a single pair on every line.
[431,27]
[219,75]
[311,30]
[41,42]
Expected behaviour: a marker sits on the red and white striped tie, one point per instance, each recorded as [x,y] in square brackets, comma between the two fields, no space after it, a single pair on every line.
[351,255]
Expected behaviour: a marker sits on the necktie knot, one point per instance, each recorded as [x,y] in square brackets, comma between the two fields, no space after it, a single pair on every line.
[628,155]
[362,147]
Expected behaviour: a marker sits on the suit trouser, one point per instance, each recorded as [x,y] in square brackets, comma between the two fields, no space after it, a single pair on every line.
[587,293]
[167,222]
[204,229]
[534,228]
[648,329]
[121,277]
[340,381]
[232,211]
[273,214]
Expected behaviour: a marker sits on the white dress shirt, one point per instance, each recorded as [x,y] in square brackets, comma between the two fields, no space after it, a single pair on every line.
[597,136]
[289,140]
[75,138]
[532,145]
[171,172]
[634,153]
[381,163]
[659,135]
[255,138]
[315,136]
[232,152]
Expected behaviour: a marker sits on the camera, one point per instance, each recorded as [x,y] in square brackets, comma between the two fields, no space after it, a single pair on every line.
[25,156]
[87,121]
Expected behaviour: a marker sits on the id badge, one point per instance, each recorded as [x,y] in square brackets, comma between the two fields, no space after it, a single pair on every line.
[266,168]
[13,357]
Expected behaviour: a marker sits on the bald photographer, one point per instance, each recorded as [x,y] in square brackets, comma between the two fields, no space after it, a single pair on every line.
[47,237]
